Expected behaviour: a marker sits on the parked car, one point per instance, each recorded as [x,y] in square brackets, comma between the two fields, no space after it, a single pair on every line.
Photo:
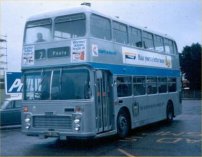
[10,112]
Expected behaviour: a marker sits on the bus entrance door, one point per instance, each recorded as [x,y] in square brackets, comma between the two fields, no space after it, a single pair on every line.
[103,99]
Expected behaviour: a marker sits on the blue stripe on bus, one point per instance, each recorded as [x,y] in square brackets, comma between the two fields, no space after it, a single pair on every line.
[131,70]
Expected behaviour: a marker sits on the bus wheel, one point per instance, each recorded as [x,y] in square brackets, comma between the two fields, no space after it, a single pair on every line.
[169,112]
[123,125]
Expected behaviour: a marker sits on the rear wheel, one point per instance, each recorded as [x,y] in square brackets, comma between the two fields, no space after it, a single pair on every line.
[123,125]
[169,112]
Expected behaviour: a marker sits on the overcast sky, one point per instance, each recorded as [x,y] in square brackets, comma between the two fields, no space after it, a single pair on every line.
[180,19]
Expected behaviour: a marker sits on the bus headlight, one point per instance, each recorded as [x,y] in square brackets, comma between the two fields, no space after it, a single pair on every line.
[27,121]
[77,121]
[77,127]
[27,126]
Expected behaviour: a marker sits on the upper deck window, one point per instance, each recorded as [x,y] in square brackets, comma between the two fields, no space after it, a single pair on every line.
[175,47]
[158,42]
[135,37]
[168,46]
[120,32]
[100,27]
[148,42]
[38,31]
[70,26]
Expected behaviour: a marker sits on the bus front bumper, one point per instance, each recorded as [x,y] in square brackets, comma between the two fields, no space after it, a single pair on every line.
[60,135]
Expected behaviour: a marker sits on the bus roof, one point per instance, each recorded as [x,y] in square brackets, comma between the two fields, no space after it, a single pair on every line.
[84,9]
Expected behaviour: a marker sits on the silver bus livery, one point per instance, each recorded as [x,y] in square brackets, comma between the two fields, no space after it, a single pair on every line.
[88,75]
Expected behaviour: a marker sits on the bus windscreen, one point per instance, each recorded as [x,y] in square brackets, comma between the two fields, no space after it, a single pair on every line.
[57,85]
[70,26]
[38,31]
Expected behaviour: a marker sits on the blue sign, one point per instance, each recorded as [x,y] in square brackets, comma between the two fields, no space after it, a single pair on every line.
[13,82]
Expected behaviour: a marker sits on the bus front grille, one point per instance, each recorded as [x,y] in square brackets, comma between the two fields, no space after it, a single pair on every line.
[52,122]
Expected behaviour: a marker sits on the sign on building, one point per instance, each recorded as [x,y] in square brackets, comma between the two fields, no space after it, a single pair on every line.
[13,84]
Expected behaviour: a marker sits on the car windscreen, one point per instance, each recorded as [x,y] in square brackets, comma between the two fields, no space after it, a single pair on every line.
[4,105]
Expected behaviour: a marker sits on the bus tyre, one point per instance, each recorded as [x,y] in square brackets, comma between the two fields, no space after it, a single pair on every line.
[123,125]
[169,113]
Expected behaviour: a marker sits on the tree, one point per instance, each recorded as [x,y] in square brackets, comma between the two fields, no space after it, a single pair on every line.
[190,62]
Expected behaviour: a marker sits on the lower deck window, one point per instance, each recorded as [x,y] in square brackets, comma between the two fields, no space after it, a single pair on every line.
[139,86]
[151,85]
[124,86]
[162,84]
[172,84]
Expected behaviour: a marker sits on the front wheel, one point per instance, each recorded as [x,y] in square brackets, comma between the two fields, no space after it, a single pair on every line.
[123,125]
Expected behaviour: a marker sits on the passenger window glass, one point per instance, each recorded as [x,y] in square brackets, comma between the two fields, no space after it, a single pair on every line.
[120,32]
[56,85]
[135,37]
[78,88]
[38,31]
[70,26]
[45,86]
[151,85]
[32,85]
[175,48]
[158,42]
[124,86]
[168,46]
[162,84]
[100,27]
[172,84]
[18,104]
[139,85]
[148,42]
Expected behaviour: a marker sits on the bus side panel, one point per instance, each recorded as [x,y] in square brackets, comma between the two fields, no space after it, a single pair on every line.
[102,51]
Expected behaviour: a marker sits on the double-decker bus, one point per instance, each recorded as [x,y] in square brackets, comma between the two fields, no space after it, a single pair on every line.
[88,75]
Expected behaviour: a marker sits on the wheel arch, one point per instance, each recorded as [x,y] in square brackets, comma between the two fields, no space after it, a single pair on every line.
[127,111]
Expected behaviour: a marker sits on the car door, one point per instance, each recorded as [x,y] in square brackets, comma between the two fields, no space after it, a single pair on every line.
[6,114]
[17,112]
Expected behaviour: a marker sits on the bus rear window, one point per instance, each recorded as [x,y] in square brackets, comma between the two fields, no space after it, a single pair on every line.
[70,26]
